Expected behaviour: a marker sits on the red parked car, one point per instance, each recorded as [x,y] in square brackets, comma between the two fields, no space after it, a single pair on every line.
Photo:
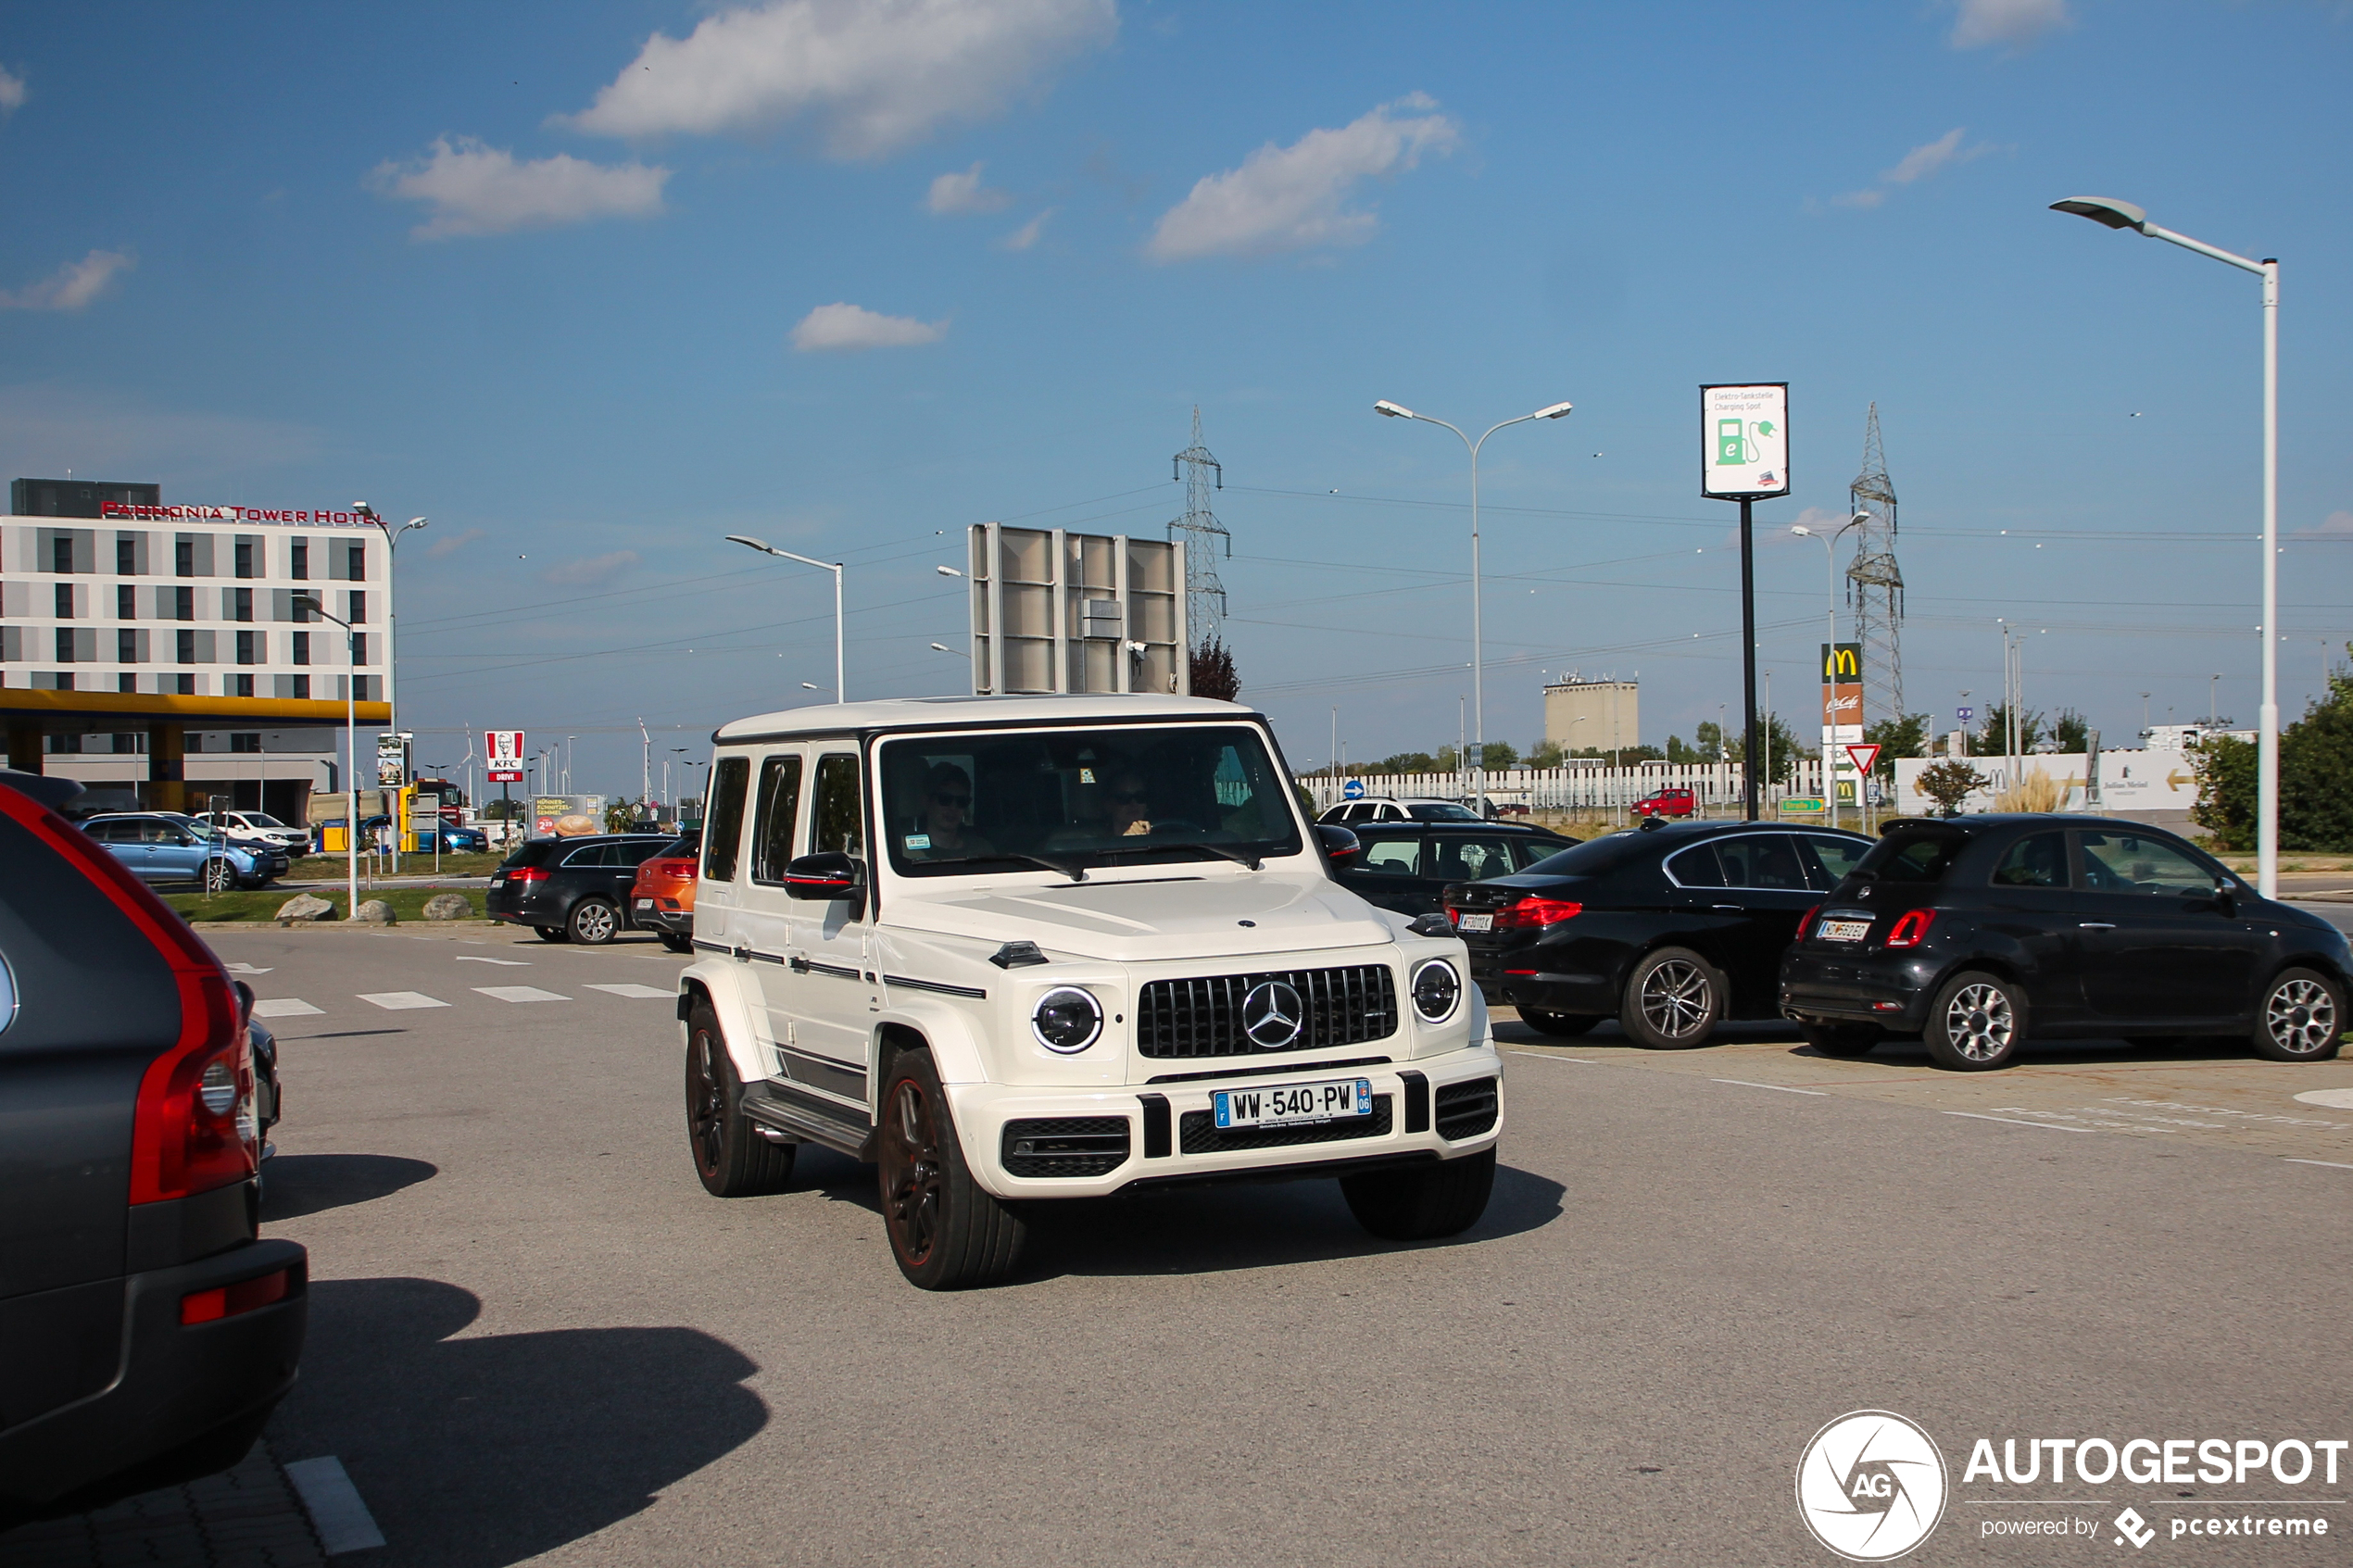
[662,901]
[1669,802]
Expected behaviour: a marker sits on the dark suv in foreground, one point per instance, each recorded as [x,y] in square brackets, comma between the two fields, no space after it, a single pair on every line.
[145,1330]
[572,890]
[1983,932]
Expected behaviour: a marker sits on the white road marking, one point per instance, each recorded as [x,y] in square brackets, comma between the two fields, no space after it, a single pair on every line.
[2335,1099]
[393,1001]
[2329,1163]
[520,994]
[2014,1122]
[1541,1055]
[511,963]
[1784,1088]
[335,1505]
[632,989]
[285,1007]
[244,969]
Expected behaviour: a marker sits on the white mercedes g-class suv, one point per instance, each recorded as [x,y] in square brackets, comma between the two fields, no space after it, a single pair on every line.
[1012,949]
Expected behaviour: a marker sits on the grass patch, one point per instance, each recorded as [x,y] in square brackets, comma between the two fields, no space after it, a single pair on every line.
[260,904]
[327,867]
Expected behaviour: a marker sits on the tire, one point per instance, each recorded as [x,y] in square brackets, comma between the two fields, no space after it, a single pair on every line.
[552,933]
[593,922]
[1674,999]
[946,1234]
[1842,1039]
[1977,1023]
[220,876]
[730,1156]
[2302,1018]
[677,942]
[1564,1024]
[1422,1202]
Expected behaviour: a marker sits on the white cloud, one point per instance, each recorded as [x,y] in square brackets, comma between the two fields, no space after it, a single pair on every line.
[450,544]
[475,189]
[1288,198]
[875,75]
[11,91]
[590,572]
[71,286]
[1918,164]
[1860,199]
[841,328]
[2017,23]
[1026,235]
[2335,522]
[963,193]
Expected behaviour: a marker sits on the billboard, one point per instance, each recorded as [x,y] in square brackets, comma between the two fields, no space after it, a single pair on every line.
[1842,713]
[392,759]
[566,816]
[503,749]
[1744,441]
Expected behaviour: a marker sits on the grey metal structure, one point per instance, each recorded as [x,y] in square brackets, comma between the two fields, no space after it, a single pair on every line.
[1204,537]
[1057,611]
[1875,583]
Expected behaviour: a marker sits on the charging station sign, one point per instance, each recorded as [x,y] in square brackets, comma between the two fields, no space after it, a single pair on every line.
[1743,442]
[504,750]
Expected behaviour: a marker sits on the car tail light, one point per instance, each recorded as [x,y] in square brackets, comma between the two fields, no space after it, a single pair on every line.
[1911,930]
[228,1301]
[1533,912]
[528,873]
[1805,921]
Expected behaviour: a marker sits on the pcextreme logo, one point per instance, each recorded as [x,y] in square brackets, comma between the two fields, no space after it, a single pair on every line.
[1870,1486]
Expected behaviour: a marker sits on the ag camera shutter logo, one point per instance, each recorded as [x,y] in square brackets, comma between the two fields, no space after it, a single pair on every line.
[1870,1486]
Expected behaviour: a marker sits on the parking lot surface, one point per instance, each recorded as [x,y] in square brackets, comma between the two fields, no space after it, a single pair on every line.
[534,1335]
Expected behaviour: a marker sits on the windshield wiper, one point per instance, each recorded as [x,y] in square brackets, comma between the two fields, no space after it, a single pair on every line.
[1240,856]
[1070,869]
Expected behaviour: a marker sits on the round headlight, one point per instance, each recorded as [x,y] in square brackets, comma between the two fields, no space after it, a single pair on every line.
[1067,1020]
[1437,990]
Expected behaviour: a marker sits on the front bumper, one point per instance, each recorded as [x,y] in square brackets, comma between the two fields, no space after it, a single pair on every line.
[1155,1132]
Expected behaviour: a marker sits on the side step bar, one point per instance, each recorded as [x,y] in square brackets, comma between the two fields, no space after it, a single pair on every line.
[807,1118]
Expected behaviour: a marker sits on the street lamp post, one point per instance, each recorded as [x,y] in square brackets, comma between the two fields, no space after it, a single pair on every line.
[1829,563]
[2125,215]
[1478,666]
[834,567]
[350,762]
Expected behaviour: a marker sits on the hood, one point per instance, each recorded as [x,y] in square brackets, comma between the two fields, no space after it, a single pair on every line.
[1146,920]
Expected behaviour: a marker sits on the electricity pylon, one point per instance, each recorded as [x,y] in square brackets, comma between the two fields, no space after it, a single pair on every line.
[1875,583]
[1204,537]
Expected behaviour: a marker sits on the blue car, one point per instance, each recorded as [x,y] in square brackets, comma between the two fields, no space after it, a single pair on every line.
[160,849]
[454,840]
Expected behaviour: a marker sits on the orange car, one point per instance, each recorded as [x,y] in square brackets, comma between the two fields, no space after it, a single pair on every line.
[662,898]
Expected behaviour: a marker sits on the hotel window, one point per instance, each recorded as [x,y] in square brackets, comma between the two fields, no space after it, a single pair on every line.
[183,684]
[183,557]
[248,647]
[355,561]
[126,556]
[301,569]
[244,741]
[187,647]
[183,604]
[126,646]
[126,682]
[244,556]
[241,604]
[302,688]
[126,602]
[360,648]
[301,647]
[64,601]
[242,685]
[355,607]
[61,554]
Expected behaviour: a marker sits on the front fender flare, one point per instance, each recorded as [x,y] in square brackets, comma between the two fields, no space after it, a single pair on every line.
[721,980]
[953,1036]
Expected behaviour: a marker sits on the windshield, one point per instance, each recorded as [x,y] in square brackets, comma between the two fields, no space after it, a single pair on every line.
[260,819]
[1443,812]
[1912,857]
[1070,799]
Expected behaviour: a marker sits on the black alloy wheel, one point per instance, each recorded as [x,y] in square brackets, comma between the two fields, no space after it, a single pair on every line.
[946,1234]
[731,1155]
[1842,1039]
[2302,1018]
[594,922]
[1674,999]
[1566,1024]
[1977,1023]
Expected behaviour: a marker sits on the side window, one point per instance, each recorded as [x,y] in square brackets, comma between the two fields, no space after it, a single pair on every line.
[772,827]
[1530,850]
[2037,861]
[724,823]
[1765,861]
[590,855]
[1394,857]
[2132,863]
[1833,857]
[838,819]
[1462,858]
[638,853]
[1696,866]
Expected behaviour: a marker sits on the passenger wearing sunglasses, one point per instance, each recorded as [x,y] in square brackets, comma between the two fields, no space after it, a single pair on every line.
[1131,807]
[948,804]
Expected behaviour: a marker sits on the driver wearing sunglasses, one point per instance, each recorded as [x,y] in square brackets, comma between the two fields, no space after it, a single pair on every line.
[946,817]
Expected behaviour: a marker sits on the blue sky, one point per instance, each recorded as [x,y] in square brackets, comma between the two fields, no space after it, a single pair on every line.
[594,285]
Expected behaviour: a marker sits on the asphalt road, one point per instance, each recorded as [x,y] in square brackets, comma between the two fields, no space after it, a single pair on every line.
[534,1335]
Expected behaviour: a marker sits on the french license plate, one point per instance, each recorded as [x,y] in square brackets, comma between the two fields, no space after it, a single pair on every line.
[1842,930]
[498,880]
[1293,1105]
[1479,922]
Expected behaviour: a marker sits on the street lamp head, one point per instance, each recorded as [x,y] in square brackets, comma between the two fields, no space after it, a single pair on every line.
[1858,520]
[2105,211]
[947,571]
[747,539]
[941,647]
[417,523]
[1393,411]
[1801,531]
[1557,412]
[363,508]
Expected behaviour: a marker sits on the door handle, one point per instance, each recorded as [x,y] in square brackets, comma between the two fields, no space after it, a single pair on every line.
[2096,925]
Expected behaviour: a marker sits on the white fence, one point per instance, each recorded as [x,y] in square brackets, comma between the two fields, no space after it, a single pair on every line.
[1577,786]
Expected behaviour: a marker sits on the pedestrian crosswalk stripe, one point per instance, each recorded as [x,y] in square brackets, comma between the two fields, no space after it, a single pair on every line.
[283,1006]
[394,1001]
[520,994]
[632,989]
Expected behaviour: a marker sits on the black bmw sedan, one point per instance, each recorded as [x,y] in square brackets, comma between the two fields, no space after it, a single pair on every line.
[1981,934]
[1669,929]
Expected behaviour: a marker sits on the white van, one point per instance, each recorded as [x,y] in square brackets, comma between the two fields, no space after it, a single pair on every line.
[1022,949]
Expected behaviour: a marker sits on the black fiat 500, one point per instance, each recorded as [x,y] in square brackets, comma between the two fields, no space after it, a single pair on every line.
[1669,929]
[1407,866]
[1981,934]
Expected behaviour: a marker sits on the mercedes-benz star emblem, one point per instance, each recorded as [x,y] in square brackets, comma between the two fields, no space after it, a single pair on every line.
[1273,1015]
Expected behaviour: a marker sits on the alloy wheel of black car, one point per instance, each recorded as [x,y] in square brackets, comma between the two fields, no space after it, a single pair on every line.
[1978,1022]
[1673,1000]
[2303,1019]
[593,922]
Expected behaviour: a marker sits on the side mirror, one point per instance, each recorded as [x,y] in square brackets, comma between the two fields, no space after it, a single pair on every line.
[2226,897]
[1432,924]
[1338,844]
[828,874]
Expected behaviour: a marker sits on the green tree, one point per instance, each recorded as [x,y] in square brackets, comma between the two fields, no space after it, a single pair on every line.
[1544,754]
[1906,736]
[1709,735]
[1682,755]
[1498,755]
[2073,731]
[1782,744]
[2316,780]
[1212,670]
[619,815]
[1408,762]
[1993,739]
[1949,784]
